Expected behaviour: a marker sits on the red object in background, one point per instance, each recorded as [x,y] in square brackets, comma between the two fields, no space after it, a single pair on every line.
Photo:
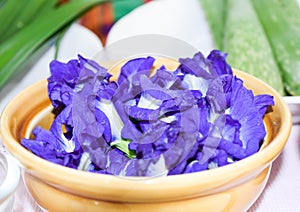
[102,17]
[99,20]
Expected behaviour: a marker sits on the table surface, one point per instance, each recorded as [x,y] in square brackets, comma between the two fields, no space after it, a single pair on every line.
[283,188]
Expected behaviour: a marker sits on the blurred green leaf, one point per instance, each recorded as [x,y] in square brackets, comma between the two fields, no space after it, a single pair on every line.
[22,42]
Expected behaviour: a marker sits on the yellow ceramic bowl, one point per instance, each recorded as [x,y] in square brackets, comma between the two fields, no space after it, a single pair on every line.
[56,188]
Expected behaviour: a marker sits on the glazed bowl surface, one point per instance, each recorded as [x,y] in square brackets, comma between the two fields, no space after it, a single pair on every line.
[9,180]
[233,187]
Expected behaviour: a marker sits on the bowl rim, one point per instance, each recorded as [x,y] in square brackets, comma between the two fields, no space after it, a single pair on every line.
[108,183]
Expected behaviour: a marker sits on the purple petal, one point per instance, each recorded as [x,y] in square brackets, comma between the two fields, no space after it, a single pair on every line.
[243,108]
[195,166]
[46,146]
[141,114]
[198,66]
[218,60]
[262,102]
[134,66]
[104,125]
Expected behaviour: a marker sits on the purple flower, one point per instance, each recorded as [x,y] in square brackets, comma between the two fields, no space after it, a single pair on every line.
[62,82]
[241,129]
[135,66]
[55,145]
[218,60]
[61,144]
[247,109]
[196,118]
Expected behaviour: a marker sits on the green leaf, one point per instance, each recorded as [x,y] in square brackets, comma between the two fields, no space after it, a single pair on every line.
[248,46]
[9,12]
[29,10]
[18,48]
[123,146]
[59,38]
[215,12]
[281,22]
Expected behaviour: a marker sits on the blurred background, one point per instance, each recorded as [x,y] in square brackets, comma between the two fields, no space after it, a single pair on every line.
[101,18]
[264,33]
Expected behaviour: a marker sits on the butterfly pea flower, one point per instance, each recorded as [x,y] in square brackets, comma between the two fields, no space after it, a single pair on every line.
[198,117]
[55,145]
[218,61]
[95,131]
[156,117]
[135,94]
[94,113]
[134,66]
[62,82]
[242,128]
[246,109]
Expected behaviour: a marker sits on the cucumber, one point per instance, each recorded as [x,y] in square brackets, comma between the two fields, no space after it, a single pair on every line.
[247,45]
[281,22]
[215,13]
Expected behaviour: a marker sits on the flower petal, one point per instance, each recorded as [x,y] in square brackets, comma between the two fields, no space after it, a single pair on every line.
[134,66]
[218,60]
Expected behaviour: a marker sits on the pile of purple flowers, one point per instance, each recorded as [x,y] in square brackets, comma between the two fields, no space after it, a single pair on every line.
[195,118]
